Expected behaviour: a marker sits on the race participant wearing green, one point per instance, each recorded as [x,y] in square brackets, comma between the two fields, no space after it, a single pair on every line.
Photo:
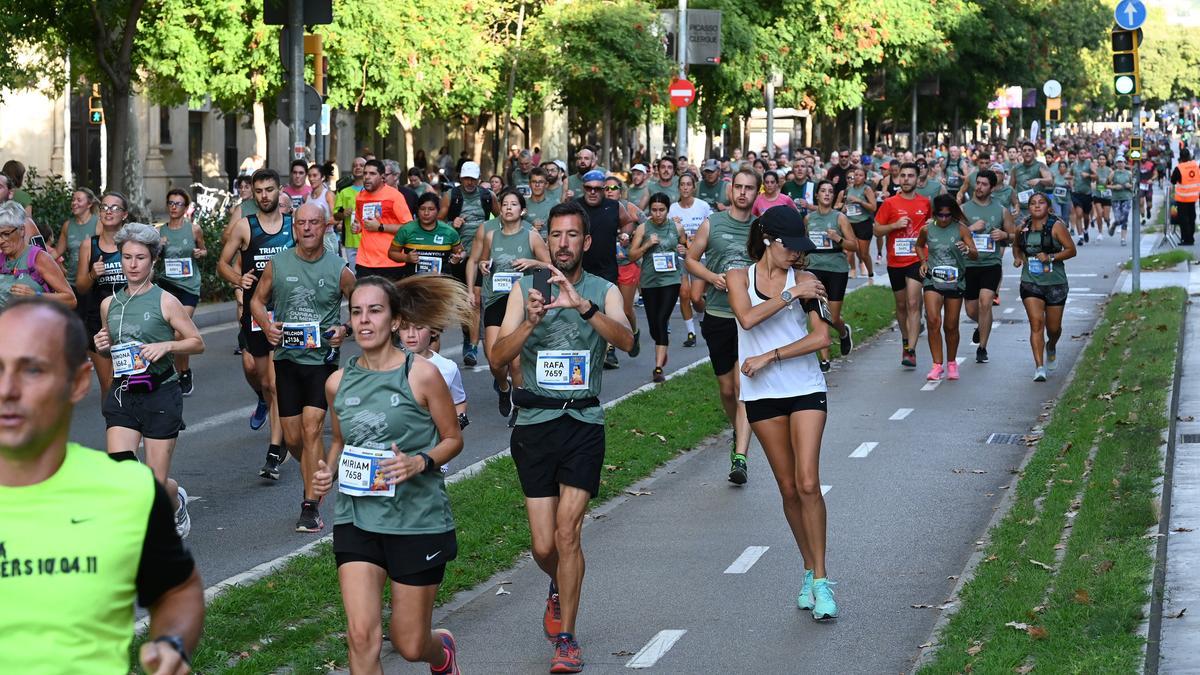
[504,249]
[181,271]
[433,246]
[946,263]
[828,261]
[1042,279]
[77,233]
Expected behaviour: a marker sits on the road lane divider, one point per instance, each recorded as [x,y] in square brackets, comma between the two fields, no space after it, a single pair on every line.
[655,649]
[746,560]
[864,449]
[900,414]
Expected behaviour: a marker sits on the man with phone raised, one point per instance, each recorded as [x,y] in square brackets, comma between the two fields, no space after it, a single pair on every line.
[559,322]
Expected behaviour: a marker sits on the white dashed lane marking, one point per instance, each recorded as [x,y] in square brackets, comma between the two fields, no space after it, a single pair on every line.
[900,414]
[746,560]
[654,650]
[864,449]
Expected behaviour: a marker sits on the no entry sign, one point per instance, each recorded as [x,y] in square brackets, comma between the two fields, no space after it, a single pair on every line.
[682,93]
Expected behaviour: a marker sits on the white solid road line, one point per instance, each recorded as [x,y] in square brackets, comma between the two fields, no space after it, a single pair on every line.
[655,649]
[1009,310]
[900,414]
[746,560]
[825,489]
[864,449]
[222,419]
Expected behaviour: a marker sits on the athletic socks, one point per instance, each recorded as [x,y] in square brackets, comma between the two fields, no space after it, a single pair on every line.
[691,325]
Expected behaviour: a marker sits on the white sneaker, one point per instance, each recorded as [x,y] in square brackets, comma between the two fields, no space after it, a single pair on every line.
[183,521]
[1039,375]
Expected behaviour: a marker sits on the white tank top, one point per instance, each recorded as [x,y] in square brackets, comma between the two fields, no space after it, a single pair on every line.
[790,377]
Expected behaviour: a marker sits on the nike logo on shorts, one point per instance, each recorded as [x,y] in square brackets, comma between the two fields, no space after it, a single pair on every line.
[432,556]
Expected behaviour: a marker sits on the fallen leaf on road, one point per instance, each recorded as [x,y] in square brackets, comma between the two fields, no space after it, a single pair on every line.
[636,432]
[946,605]
[990,558]
[502,591]
[923,645]
[1022,670]
[611,467]
[974,649]
[1019,625]
[1082,597]
[1041,565]
[978,471]
[1182,529]
[953,577]
[1036,632]
[1039,609]
[663,439]
[1179,615]
[1188,418]
[638,493]
[1156,535]
[623,653]
[921,606]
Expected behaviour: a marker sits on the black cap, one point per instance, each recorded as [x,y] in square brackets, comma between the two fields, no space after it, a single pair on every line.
[786,224]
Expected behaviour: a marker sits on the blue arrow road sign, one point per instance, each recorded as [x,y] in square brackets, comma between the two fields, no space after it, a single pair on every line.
[1130,14]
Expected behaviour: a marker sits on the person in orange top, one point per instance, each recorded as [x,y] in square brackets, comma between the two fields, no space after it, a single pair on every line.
[900,218]
[381,210]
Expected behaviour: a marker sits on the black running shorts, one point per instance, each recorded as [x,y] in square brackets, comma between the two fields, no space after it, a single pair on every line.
[834,283]
[157,415]
[300,386]
[770,408]
[410,559]
[721,336]
[493,314]
[1053,296]
[979,278]
[562,451]
[897,276]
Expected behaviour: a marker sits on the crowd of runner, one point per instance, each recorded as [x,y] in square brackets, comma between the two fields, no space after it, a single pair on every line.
[756,251]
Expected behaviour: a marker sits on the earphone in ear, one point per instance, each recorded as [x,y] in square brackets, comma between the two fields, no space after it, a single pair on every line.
[766,242]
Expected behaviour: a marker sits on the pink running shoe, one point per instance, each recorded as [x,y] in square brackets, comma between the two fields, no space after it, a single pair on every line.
[935,373]
[952,370]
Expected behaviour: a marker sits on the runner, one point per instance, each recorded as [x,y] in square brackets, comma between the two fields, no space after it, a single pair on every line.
[585,161]
[889,186]
[255,239]
[955,169]
[304,285]
[1147,176]
[770,196]
[1102,193]
[344,211]
[1029,176]
[639,192]
[556,188]
[658,245]
[319,176]
[667,182]
[381,211]
[782,385]
[27,269]
[139,325]
[539,203]
[900,218]
[418,340]
[832,236]
[427,245]
[182,247]
[689,212]
[83,224]
[606,221]
[713,189]
[1042,244]
[991,226]
[99,275]
[467,207]
[393,425]
[298,189]
[628,272]
[943,247]
[558,443]
[119,545]
[506,255]
[1122,185]
[858,203]
[983,162]
[928,186]
[1081,194]
[1061,173]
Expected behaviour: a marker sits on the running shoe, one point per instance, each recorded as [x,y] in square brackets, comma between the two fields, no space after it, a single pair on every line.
[505,399]
[259,418]
[470,355]
[878,259]
[610,359]
[805,599]
[935,373]
[825,365]
[657,377]
[552,617]
[183,521]
[1051,359]
[237,351]
[737,468]
[847,340]
[451,649]
[637,343]
[975,336]
[1112,229]
[1079,241]
[1099,232]
[186,387]
[1124,243]
[1086,236]
[981,355]
[270,468]
[310,517]
[638,302]
[908,358]
[996,299]
[690,341]
[823,605]
[952,370]
[1039,375]
[568,657]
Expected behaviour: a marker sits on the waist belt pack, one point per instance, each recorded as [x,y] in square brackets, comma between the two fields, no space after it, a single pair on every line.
[143,383]
[523,398]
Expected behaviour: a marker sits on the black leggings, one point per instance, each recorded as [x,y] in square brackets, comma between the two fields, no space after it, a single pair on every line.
[660,303]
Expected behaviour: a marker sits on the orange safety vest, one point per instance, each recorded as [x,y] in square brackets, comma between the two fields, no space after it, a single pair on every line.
[1188,189]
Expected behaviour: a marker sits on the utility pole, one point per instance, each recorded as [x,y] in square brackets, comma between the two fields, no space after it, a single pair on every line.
[296,85]
[512,74]
[914,143]
[770,96]
[1137,212]
[681,40]
[858,129]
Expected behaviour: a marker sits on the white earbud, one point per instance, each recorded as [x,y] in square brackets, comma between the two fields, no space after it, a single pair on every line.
[767,243]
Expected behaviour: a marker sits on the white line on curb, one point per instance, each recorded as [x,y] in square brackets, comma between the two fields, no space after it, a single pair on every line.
[746,560]
[900,414]
[655,649]
[864,449]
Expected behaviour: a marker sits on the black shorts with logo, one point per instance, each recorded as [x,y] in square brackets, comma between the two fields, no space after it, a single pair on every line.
[157,415]
[299,386]
[769,408]
[897,276]
[720,334]
[561,451]
[979,278]
[410,559]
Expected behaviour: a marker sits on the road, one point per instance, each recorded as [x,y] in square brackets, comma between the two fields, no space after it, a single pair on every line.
[699,576]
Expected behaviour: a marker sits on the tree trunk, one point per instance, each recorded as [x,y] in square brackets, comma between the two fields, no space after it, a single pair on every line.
[260,130]
[746,133]
[606,137]
[125,167]
[406,127]
[708,143]
[478,138]
[333,139]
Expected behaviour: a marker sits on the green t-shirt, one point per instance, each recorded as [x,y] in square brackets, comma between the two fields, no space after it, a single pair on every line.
[1080,183]
[140,319]
[578,372]
[1002,194]
[634,193]
[671,190]
[1103,181]
[77,233]
[1062,187]
[22,197]
[713,193]
[374,410]
[726,250]
[506,249]
[942,243]
[1024,173]
[68,573]
[930,189]
[473,216]
[433,246]
[181,271]
[660,264]
[1056,275]
[538,211]
[797,190]
[346,199]
[854,211]
[992,215]
[829,256]
[1122,177]
[309,294]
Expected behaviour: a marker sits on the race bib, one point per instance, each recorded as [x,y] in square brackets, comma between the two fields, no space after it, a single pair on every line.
[128,360]
[1023,196]
[301,335]
[984,243]
[372,211]
[1039,268]
[664,262]
[255,328]
[1106,193]
[853,210]
[429,264]
[1060,192]
[954,181]
[177,268]
[297,202]
[1146,186]
[945,274]
[360,473]
[904,246]
[525,190]
[821,241]
[565,370]
[502,282]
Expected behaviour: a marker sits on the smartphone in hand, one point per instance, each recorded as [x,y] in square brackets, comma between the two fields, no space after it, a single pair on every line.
[541,283]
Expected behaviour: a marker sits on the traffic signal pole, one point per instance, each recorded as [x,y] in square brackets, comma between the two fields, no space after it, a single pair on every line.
[681,119]
[1137,212]
[296,85]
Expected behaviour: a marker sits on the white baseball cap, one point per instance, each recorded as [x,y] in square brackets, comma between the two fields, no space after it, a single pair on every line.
[469,170]
[562,166]
[639,167]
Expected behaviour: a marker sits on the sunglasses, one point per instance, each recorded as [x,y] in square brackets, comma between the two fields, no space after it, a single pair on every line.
[176,203]
[612,188]
[109,208]
[592,188]
[943,215]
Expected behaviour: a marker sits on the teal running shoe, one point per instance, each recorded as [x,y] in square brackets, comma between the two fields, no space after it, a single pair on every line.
[824,607]
[805,600]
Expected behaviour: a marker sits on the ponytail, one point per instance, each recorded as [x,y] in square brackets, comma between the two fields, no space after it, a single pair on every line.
[426,300]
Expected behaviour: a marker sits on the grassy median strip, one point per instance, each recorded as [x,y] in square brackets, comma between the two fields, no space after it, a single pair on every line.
[1162,261]
[1023,609]
[293,618]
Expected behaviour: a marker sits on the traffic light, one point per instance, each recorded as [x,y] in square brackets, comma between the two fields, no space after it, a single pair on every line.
[1054,109]
[95,106]
[313,44]
[1128,79]
[1135,147]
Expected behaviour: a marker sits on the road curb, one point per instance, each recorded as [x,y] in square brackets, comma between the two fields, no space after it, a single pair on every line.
[215,314]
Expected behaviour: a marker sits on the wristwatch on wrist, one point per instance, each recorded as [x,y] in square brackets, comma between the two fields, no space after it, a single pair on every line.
[786,296]
[176,643]
[430,465]
[591,311]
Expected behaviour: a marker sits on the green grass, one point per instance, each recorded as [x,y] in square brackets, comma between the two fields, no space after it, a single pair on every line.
[1083,615]
[1162,261]
[293,618]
